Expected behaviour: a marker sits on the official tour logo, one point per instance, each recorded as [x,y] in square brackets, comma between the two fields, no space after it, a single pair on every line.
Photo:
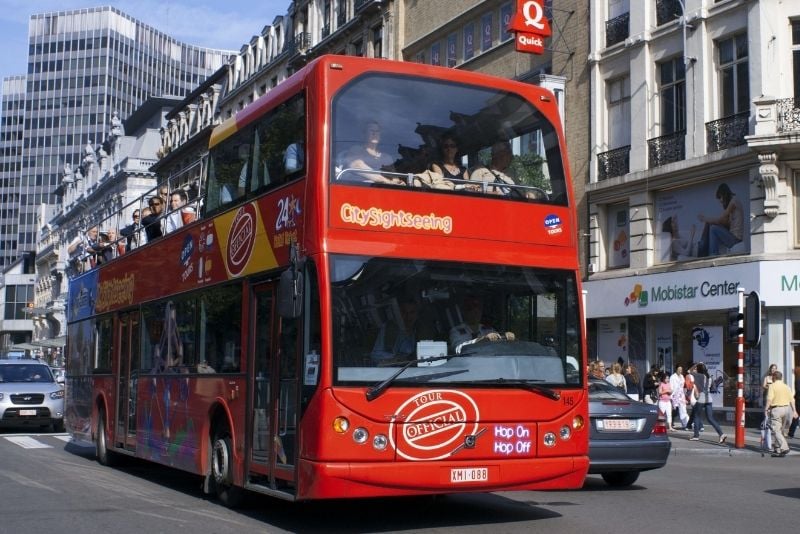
[437,424]
[241,238]
[552,223]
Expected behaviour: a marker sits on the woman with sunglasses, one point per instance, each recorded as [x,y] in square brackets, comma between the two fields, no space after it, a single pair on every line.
[449,166]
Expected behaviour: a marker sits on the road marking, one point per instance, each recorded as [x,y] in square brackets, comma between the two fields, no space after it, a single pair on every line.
[64,437]
[27,442]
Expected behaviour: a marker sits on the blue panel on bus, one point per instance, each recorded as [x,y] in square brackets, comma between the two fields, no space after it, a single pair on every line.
[82,296]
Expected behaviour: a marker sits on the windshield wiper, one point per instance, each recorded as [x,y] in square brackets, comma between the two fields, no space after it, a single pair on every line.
[524,384]
[375,391]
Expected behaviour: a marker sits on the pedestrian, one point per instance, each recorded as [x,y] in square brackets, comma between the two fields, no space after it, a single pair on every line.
[677,384]
[615,377]
[597,370]
[767,382]
[796,419]
[665,399]
[702,383]
[691,396]
[633,384]
[651,385]
[779,409]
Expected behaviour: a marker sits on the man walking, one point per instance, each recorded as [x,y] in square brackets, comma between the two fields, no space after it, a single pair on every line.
[779,411]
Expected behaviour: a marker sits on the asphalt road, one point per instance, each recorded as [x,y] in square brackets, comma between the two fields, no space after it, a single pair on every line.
[48,484]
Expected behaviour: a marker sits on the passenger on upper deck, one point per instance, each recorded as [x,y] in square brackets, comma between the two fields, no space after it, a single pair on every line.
[152,223]
[181,213]
[448,166]
[369,158]
[133,232]
[83,250]
[497,173]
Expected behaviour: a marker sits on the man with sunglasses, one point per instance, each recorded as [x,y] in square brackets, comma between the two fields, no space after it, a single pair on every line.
[153,223]
[133,232]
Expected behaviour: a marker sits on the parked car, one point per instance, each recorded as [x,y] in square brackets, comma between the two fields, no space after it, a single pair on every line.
[626,437]
[30,395]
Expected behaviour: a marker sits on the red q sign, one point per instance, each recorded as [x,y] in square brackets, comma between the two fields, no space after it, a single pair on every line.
[530,25]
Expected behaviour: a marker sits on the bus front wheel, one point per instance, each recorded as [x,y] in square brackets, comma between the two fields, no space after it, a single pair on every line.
[222,470]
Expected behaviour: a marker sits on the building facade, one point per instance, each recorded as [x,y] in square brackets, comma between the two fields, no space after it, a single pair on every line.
[62,132]
[693,184]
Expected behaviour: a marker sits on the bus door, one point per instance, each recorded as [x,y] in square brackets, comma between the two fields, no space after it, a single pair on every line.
[274,398]
[128,347]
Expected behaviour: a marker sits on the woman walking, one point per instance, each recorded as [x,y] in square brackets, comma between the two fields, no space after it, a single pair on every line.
[702,383]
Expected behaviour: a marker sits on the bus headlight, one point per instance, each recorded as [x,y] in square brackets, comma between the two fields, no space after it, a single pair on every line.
[565,433]
[549,439]
[379,442]
[360,435]
[341,424]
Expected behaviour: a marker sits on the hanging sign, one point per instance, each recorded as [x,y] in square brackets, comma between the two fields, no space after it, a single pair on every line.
[530,26]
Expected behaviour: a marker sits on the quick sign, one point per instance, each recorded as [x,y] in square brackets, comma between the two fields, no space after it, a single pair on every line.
[530,26]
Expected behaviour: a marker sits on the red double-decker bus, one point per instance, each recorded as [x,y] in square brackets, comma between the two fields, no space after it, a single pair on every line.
[380,297]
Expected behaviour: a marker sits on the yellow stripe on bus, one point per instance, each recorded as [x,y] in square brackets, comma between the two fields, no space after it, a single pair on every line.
[223,131]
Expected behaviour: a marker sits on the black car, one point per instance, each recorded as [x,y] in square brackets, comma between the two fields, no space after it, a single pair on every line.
[626,436]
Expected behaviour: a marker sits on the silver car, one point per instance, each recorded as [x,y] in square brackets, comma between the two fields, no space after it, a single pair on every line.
[30,395]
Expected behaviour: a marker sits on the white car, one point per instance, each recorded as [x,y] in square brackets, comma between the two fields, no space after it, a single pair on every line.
[30,395]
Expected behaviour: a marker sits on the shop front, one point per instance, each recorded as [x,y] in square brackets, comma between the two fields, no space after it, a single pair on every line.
[676,318]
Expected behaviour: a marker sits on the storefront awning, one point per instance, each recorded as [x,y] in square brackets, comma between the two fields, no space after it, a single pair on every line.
[23,346]
[56,342]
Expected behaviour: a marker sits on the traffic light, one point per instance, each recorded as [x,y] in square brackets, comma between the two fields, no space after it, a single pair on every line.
[752,319]
[733,324]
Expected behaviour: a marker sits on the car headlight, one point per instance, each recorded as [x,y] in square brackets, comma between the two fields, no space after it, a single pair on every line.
[57,394]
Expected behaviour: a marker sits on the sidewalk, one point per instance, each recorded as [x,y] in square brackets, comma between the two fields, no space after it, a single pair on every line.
[709,442]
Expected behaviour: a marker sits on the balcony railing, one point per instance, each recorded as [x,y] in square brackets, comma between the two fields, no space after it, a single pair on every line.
[617,29]
[362,5]
[789,115]
[666,149]
[728,132]
[613,163]
[667,11]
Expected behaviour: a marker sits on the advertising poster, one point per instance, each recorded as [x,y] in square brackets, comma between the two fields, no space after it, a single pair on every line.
[709,219]
[469,41]
[612,340]
[435,55]
[663,333]
[506,11]
[618,232]
[451,50]
[707,344]
[486,32]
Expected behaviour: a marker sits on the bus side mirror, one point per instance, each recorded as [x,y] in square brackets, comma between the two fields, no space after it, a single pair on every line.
[290,294]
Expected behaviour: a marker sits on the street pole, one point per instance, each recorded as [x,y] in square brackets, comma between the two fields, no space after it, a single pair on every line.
[739,418]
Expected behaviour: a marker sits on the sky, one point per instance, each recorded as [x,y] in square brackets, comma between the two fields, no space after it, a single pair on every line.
[224,24]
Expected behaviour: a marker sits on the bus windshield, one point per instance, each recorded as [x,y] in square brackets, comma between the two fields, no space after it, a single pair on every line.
[444,136]
[495,323]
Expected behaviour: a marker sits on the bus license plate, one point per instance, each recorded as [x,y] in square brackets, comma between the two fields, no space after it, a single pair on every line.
[473,474]
[27,412]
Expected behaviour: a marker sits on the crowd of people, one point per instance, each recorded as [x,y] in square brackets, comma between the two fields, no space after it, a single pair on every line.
[686,394]
[96,246]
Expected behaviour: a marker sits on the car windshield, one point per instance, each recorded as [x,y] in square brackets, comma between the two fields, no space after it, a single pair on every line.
[493,324]
[25,373]
[602,390]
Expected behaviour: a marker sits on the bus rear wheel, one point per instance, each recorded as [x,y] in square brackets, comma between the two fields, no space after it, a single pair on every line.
[104,456]
[222,470]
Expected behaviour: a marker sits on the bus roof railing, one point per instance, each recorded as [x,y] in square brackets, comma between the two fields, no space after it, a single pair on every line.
[434,180]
